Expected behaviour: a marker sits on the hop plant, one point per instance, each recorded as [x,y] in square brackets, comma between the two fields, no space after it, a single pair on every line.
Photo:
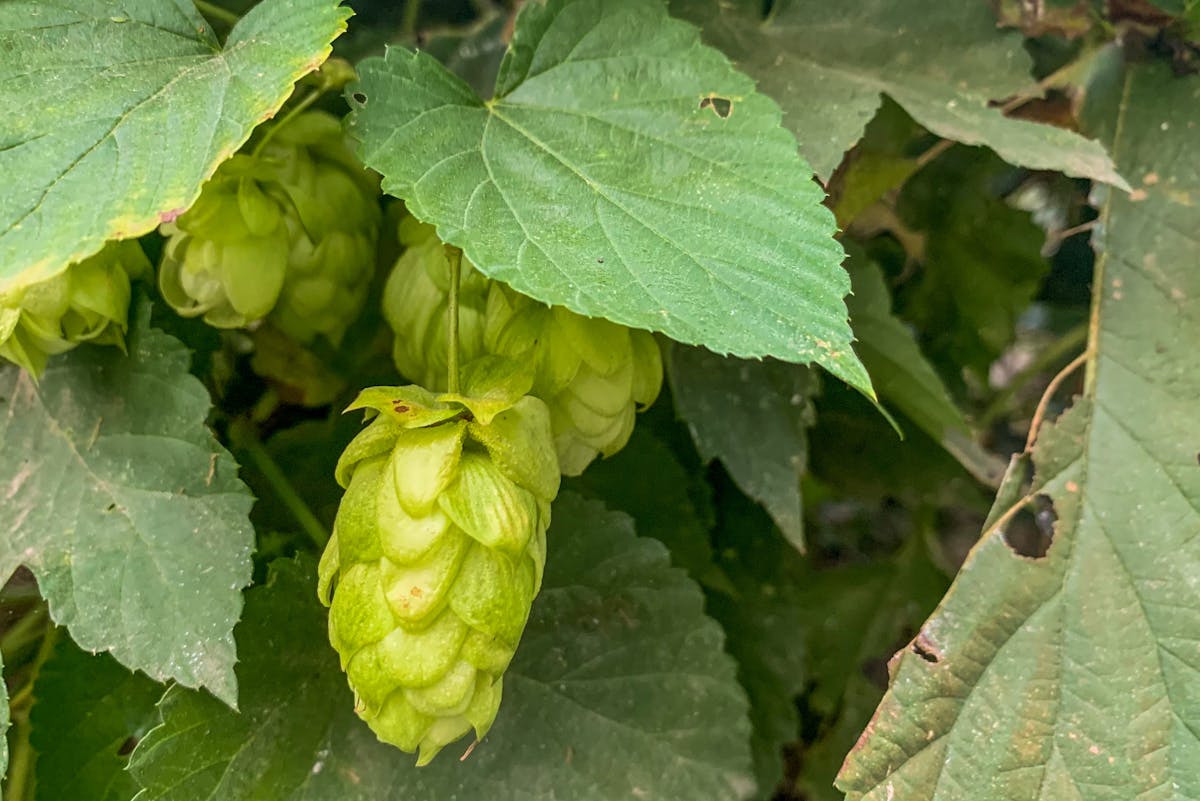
[287,231]
[87,302]
[437,551]
[416,305]
[591,372]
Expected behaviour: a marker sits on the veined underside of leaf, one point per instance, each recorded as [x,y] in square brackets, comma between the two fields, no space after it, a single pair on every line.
[114,112]
[1076,676]
[658,191]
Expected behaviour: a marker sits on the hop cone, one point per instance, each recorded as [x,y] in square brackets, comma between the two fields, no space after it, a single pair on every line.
[592,373]
[416,303]
[437,551]
[87,302]
[288,233]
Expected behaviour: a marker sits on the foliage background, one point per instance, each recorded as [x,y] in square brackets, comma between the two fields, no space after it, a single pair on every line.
[726,630]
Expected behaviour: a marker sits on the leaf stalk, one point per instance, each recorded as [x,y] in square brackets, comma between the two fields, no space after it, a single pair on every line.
[454,258]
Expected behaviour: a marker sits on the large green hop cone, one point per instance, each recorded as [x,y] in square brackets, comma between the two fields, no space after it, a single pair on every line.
[592,373]
[437,551]
[87,302]
[287,233]
[416,305]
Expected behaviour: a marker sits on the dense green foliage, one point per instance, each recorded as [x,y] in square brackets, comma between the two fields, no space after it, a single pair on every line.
[697,343]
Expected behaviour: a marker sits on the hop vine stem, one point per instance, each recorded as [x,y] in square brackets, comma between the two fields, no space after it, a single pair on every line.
[243,437]
[454,258]
[21,764]
[216,12]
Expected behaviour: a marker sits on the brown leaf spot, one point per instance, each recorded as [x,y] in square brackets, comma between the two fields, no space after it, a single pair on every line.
[1137,195]
[924,648]
[170,216]
[1150,178]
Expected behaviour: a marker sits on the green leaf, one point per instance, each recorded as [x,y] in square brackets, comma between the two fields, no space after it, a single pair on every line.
[856,616]
[113,114]
[618,667]
[753,417]
[675,508]
[1074,675]
[764,618]
[853,450]
[982,260]
[657,191]
[864,612]
[903,376]
[89,712]
[125,507]
[291,693]
[828,63]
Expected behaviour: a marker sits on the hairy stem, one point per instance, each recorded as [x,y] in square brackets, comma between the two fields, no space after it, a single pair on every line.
[246,440]
[412,13]
[214,11]
[22,633]
[292,113]
[20,763]
[454,257]
[1058,350]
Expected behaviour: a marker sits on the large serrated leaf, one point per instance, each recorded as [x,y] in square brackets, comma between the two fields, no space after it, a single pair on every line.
[828,63]
[763,616]
[88,713]
[1075,676]
[904,377]
[623,170]
[131,515]
[618,667]
[982,260]
[675,508]
[855,615]
[112,114]
[753,416]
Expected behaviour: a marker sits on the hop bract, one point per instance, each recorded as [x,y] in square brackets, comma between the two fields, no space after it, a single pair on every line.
[592,373]
[438,550]
[287,233]
[416,303]
[87,302]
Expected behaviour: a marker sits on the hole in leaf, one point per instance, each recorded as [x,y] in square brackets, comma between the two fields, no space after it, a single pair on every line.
[876,672]
[923,648]
[1031,530]
[721,106]
[127,747]
[360,98]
